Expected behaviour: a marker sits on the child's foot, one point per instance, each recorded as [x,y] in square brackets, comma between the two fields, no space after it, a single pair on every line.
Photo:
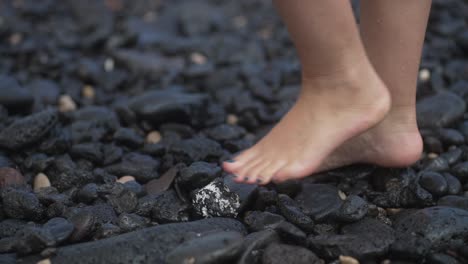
[330,110]
[394,142]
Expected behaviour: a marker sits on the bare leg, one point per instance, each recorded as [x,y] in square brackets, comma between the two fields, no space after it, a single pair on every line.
[341,96]
[393,35]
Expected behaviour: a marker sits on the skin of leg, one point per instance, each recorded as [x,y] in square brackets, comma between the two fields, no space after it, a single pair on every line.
[393,35]
[341,95]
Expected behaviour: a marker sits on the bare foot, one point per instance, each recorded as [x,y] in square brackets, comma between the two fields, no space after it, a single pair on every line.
[330,110]
[394,142]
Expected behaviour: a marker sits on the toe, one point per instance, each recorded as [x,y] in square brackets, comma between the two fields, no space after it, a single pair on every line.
[242,173]
[269,171]
[254,173]
[238,162]
[291,171]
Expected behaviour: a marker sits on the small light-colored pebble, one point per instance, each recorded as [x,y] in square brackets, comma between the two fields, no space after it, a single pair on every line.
[348,260]
[88,92]
[153,137]
[15,39]
[41,181]
[386,261]
[239,21]
[150,16]
[432,155]
[109,65]
[232,119]
[66,103]
[44,261]
[198,58]
[393,211]
[424,75]
[125,179]
[342,195]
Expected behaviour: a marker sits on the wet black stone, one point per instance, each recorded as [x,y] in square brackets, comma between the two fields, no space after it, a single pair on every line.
[151,244]
[45,92]
[7,245]
[9,227]
[291,234]
[433,144]
[437,164]
[410,246]
[21,204]
[169,208]
[65,174]
[433,182]
[142,167]
[33,240]
[128,137]
[88,193]
[38,162]
[161,106]
[440,110]
[258,221]
[213,248]
[135,187]
[442,226]
[368,238]
[246,192]
[89,151]
[291,211]
[453,184]
[254,243]
[198,174]
[454,201]
[453,155]
[123,202]
[130,222]
[439,258]
[12,95]
[451,136]
[84,223]
[461,171]
[28,130]
[57,142]
[225,132]
[107,230]
[112,154]
[92,123]
[216,199]
[282,253]
[195,149]
[319,201]
[353,209]
[59,228]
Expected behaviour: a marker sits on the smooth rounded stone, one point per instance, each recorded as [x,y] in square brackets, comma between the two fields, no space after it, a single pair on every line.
[89,151]
[9,227]
[216,199]
[10,177]
[461,171]
[195,149]
[453,184]
[442,226]
[319,201]
[353,209]
[21,204]
[433,182]
[106,230]
[44,91]
[410,246]
[348,260]
[41,181]
[125,179]
[198,174]
[282,253]
[217,247]
[451,136]
[130,222]
[169,208]
[258,220]
[142,167]
[439,258]
[66,104]
[128,137]
[88,193]
[436,164]
[33,240]
[453,155]
[174,106]
[44,261]
[7,244]
[454,201]
[365,239]
[12,95]
[291,211]
[433,145]
[151,245]
[153,137]
[254,243]
[440,110]
[28,130]
[59,228]
[225,132]
[135,187]
[88,92]
[84,223]
[290,233]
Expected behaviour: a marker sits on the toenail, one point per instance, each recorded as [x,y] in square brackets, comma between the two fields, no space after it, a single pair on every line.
[259,180]
[246,178]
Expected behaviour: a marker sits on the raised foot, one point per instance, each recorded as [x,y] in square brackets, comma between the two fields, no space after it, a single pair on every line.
[327,113]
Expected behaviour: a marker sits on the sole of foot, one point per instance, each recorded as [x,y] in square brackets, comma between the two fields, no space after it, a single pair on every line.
[329,111]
